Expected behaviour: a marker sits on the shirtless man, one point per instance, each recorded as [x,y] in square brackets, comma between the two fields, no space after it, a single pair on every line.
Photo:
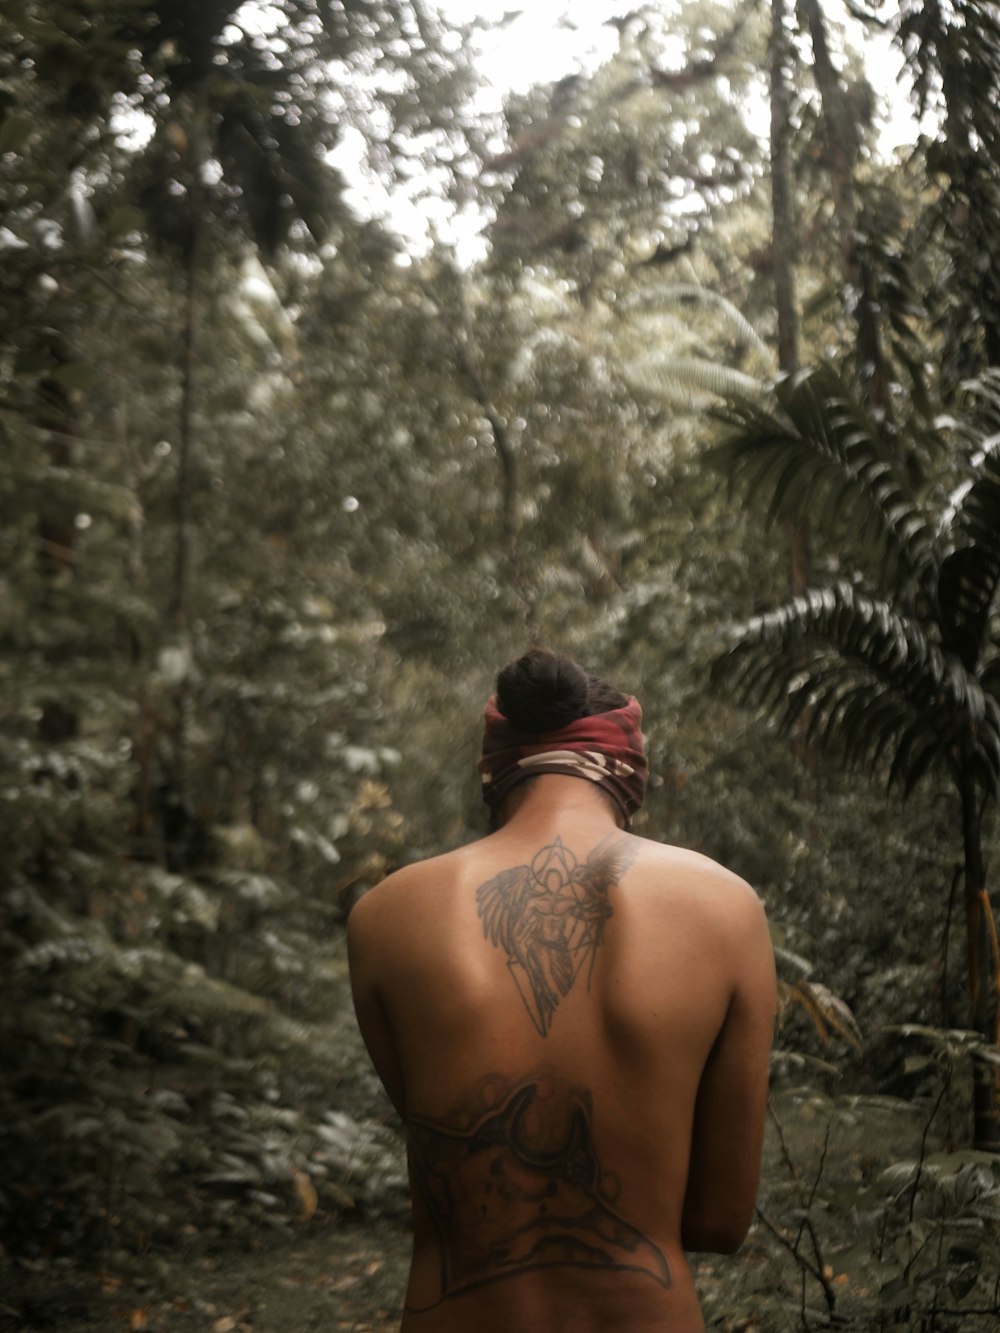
[574,1024]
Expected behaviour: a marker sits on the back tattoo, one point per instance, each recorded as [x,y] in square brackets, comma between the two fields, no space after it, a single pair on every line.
[549,918]
[512,1182]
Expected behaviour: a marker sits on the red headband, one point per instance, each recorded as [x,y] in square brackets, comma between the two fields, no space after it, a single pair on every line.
[605,748]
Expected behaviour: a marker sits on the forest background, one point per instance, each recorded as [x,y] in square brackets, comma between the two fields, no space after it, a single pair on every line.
[715,408]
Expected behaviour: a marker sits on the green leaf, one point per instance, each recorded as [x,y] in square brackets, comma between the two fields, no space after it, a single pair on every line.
[16,130]
[76,375]
[125,219]
[34,362]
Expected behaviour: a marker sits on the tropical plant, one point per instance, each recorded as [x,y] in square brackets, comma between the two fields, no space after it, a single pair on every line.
[868,1216]
[895,657]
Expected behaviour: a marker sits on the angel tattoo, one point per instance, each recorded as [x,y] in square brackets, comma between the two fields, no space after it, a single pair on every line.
[549,918]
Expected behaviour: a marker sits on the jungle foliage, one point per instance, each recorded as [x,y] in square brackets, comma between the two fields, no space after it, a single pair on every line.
[282,488]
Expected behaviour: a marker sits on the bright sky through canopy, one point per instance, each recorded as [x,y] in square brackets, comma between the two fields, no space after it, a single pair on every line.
[539,43]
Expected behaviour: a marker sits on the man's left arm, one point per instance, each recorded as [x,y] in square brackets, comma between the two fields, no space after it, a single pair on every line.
[730,1109]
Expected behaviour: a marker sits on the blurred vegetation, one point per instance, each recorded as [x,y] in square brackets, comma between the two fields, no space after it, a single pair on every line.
[281,489]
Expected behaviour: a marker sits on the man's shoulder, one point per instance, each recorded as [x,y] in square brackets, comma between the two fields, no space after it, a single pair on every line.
[398,889]
[686,861]
[703,880]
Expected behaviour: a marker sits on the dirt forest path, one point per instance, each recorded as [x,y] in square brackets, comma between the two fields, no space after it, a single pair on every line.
[332,1275]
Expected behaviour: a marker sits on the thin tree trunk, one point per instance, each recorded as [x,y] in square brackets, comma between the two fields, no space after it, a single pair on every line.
[468,356]
[972,174]
[783,228]
[58,557]
[783,234]
[840,133]
[838,124]
[469,360]
[179,611]
[181,589]
[782,251]
[144,744]
[983,970]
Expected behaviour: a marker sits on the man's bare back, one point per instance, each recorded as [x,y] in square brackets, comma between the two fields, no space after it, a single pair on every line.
[574,1024]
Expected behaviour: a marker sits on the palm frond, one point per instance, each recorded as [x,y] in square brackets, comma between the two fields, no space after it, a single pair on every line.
[280,175]
[667,296]
[817,454]
[967,588]
[990,677]
[827,1010]
[852,669]
[969,579]
[688,378]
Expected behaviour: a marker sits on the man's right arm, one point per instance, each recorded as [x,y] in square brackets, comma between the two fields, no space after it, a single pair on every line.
[731,1104]
[367,933]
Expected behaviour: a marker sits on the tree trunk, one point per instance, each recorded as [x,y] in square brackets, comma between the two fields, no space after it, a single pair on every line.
[783,229]
[468,357]
[783,267]
[179,611]
[840,134]
[181,590]
[782,250]
[983,964]
[971,171]
[57,554]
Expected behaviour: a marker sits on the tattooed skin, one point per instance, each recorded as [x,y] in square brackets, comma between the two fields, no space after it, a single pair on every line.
[549,916]
[517,1185]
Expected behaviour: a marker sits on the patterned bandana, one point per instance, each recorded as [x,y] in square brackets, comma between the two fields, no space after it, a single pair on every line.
[605,748]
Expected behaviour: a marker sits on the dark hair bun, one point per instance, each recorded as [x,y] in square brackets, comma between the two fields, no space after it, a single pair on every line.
[542,691]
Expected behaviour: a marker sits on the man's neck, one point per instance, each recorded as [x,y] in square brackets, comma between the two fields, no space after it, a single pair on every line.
[555,802]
